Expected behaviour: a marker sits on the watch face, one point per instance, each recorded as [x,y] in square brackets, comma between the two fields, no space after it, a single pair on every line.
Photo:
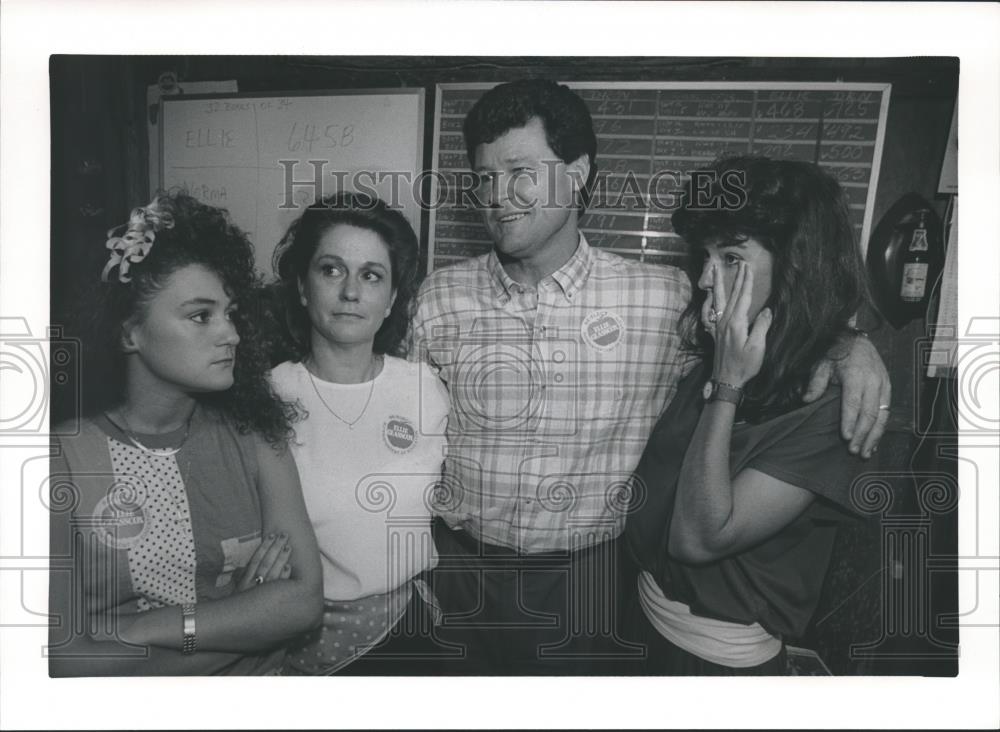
[706,391]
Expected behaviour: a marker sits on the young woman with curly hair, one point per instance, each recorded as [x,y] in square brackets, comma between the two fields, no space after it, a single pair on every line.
[742,484]
[177,513]
[371,447]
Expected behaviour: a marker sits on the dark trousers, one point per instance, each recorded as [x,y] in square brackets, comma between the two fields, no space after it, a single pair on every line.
[554,614]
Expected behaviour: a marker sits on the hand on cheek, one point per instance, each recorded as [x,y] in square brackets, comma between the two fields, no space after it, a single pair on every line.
[739,345]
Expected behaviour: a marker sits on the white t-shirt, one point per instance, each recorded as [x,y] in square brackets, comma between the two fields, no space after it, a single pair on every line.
[717,641]
[369,488]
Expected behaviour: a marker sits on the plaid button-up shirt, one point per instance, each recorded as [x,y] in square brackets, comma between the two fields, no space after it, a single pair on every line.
[554,391]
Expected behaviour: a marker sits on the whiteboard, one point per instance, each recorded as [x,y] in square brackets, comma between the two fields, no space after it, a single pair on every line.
[647,129]
[265,158]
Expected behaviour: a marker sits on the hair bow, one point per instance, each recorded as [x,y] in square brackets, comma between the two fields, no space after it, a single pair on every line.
[133,245]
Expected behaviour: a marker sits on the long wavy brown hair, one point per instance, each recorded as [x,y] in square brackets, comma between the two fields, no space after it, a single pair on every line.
[798,213]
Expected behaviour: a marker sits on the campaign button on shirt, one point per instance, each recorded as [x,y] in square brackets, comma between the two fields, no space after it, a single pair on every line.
[603,330]
[124,522]
[399,434]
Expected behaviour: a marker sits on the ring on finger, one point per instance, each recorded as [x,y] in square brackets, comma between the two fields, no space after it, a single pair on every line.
[883,407]
[258,580]
[713,315]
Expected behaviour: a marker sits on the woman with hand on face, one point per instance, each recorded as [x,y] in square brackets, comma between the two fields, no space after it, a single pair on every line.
[742,484]
[371,447]
[180,539]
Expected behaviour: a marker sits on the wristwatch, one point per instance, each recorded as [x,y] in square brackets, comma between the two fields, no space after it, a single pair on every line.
[190,639]
[723,392]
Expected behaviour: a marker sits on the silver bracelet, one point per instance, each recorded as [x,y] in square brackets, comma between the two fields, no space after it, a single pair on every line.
[190,637]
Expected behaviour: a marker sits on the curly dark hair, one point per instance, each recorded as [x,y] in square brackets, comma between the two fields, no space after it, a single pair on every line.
[569,129]
[200,235]
[798,213]
[294,252]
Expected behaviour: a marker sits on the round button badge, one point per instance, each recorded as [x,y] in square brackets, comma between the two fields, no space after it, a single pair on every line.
[603,330]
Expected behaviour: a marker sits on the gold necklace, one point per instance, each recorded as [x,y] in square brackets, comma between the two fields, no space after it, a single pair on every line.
[371,390]
[157,452]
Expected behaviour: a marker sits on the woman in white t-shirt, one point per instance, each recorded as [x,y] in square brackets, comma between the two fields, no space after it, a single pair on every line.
[370,450]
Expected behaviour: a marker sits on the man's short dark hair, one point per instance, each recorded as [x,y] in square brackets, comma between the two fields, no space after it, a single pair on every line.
[569,131]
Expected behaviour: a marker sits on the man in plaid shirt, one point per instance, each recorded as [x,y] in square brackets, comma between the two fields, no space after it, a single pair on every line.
[558,358]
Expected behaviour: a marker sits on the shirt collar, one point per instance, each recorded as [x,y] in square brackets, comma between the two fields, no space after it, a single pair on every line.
[570,277]
[503,284]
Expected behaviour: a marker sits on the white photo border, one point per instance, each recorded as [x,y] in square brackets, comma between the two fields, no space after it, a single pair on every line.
[34,29]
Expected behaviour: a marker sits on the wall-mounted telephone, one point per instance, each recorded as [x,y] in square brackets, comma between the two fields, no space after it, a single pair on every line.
[905,258]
